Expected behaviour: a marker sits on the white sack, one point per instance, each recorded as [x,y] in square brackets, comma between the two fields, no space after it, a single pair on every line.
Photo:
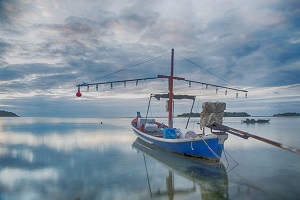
[212,112]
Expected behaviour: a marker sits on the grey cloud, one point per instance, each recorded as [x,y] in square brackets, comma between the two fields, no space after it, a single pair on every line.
[8,11]
[4,47]
[32,77]
[139,19]
[12,14]
[251,44]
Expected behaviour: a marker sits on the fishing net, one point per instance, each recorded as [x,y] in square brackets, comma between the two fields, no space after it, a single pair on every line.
[212,112]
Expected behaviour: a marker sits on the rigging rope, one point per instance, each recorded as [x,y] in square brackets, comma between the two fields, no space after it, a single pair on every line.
[236,163]
[205,70]
[149,103]
[197,108]
[218,157]
[130,67]
[147,176]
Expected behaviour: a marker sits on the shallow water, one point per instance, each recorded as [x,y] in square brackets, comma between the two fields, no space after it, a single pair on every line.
[82,158]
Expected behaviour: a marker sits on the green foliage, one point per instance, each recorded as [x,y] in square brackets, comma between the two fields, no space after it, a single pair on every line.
[7,114]
[287,114]
[187,115]
[236,114]
[226,114]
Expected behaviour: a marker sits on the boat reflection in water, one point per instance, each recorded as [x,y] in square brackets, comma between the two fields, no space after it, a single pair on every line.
[210,176]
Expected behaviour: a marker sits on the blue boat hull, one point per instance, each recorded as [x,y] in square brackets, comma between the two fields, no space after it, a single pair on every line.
[210,147]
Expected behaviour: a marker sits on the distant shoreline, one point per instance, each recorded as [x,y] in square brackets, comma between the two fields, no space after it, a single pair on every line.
[4,113]
[226,114]
[288,114]
[244,114]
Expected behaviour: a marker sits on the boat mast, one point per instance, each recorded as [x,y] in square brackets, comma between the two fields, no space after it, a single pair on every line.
[170,103]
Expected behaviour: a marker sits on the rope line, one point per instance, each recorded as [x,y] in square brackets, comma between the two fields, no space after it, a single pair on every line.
[211,150]
[205,70]
[130,67]
[236,163]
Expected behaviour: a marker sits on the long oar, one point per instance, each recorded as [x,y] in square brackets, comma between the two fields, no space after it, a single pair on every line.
[246,135]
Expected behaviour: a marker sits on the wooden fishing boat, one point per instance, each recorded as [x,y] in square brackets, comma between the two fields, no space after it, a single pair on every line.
[182,140]
[174,139]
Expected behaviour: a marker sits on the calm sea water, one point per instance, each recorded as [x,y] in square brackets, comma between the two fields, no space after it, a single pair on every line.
[82,158]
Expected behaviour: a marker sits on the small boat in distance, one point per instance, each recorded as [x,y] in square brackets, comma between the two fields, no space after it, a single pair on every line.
[253,121]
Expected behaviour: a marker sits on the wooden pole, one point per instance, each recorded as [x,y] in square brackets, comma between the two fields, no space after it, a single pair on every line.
[246,135]
[170,104]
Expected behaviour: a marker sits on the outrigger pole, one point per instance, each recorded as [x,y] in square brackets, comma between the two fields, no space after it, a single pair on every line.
[245,135]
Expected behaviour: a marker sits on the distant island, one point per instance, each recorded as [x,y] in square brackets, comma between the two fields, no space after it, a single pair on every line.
[236,114]
[288,114]
[226,114]
[188,114]
[7,114]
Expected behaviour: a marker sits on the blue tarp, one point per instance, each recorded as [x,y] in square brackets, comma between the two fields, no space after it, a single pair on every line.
[169,133]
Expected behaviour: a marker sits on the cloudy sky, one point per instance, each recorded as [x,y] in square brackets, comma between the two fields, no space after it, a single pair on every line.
[48,47]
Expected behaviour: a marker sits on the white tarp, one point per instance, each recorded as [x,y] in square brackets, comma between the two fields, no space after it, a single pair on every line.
[212,112]
[142,121]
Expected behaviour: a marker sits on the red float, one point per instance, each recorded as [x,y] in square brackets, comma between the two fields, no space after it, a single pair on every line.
[78,94]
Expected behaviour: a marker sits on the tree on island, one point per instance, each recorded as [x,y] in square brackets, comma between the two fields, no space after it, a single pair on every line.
[188,114]
[236,114]
[287,114]
[7,114]
[226,114]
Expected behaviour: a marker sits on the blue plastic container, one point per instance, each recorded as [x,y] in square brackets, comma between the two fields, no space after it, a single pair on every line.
[169,133]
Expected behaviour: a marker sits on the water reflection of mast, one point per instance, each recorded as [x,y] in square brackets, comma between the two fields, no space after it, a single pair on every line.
[170,191]
[147,176]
